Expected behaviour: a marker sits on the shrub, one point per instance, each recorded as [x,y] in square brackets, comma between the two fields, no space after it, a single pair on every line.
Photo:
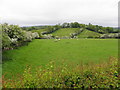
[14,36]
[13,31]
[6,41]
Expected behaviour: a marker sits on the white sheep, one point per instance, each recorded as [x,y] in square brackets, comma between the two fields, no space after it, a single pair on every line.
[55,40]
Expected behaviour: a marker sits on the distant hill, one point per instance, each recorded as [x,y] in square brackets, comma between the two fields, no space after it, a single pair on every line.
[89,34]
[74,30]
[65,32]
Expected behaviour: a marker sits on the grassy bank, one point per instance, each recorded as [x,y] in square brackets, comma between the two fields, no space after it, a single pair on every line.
[65,32]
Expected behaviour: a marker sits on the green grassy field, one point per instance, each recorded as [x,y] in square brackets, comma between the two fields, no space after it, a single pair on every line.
[65,31]
[87,33]
[41,52]
[39,31]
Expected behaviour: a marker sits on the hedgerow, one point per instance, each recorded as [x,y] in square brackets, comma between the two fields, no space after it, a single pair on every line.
[103,75]
[13,36]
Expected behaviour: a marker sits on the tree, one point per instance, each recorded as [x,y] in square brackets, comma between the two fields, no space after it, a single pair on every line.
[31,28]
[56,27]
[82,25]
[75,25]
[65,25]
[109,30]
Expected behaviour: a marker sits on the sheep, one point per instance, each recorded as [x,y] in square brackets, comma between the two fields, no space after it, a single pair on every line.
[55,40]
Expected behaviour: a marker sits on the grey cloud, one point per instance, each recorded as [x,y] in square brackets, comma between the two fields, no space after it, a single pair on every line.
[34,12]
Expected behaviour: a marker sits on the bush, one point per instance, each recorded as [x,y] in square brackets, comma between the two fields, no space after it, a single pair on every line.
[35,35]
[111,35]
[13,31]
[14,36]
[6,41]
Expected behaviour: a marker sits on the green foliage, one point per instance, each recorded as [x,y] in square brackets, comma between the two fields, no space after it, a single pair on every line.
[14,36]
[109,29]
[65,25]
[56,27]
[75,25]
[31,28]
[100,29]
[13,31]
[5,40]
[104,75]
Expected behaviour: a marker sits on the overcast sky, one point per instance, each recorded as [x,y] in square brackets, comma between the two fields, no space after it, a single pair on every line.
[43,12]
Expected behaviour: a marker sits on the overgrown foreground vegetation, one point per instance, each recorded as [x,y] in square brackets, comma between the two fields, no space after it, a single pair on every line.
[104,75]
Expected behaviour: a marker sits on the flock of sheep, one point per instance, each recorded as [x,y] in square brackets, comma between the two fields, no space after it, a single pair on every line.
[56,40]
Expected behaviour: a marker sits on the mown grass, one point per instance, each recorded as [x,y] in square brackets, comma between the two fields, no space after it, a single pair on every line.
[89,34]
[41,52]
[65,32]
